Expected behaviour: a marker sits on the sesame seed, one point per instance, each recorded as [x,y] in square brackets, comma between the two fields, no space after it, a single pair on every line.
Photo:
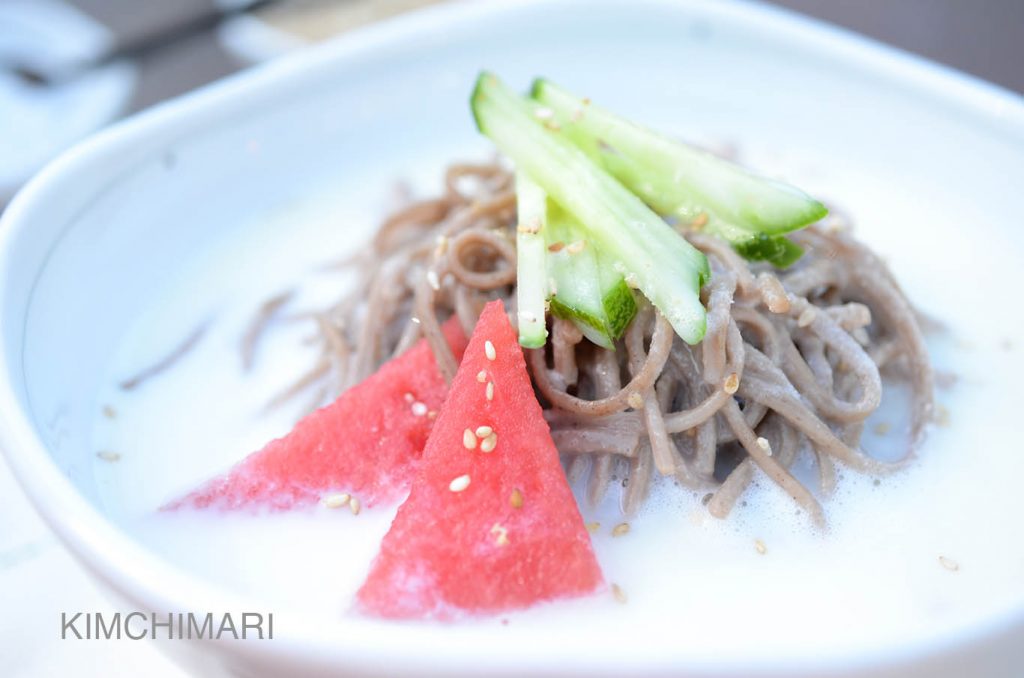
[107,455]
[556,246]
[631,281]
[502,533]
[468,439]
[635,400]
[415,320]
[552,286]
[489,350]
[941,416]
[577,247]
[949,564]
[807,316]
[419,409]
[481,376]
[585,101]
[593,527]
[760,547]
[552,125]
[489,443]
[620,595]
[765,445]
[442,245]
[354,505]
[336,500]
[577,115]
[459,484]
[773,294]
[516,499]
[432,280]
[490,390]
[620,529]
[882,428]
[732,383]
[543,113]
[531,227]
[778,304]
[409,398]
[835,224]
[700,221]
[483,431]
[527,317]
[109,412]
[431,414]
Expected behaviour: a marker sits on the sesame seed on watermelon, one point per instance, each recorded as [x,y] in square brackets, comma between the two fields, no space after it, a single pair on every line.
[490,524]
[367,442]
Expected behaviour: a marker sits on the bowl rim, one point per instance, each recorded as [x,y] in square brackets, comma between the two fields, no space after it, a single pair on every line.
[147,580]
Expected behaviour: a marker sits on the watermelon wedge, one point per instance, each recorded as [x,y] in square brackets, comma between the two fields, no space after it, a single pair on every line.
[490,523]
[367,442]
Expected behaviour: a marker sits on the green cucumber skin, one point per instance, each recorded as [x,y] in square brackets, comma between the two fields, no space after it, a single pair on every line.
[619,302]
[777,250]
[676,179]
[589,289]
[603,332]
[590,326]
[668,270]
[619,313]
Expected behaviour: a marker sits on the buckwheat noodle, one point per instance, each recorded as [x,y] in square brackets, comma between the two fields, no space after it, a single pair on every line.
[791,364]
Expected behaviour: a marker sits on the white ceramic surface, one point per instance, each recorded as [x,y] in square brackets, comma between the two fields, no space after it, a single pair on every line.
[93,237]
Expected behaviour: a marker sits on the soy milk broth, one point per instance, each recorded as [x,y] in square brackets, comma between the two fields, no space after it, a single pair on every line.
[902,559]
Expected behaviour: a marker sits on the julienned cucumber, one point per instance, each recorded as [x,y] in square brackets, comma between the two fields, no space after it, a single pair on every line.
[666,268]
[555,263]
[531,267]
[585,287]
[679,180]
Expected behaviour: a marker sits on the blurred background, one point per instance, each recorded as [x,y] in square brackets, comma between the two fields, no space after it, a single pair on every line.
[71,67]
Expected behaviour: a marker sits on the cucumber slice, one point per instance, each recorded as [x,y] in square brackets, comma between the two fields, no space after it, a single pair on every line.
[531,271]
[666,268]
[679,180]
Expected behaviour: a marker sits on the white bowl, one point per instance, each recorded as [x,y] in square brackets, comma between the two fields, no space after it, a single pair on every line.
[96,234]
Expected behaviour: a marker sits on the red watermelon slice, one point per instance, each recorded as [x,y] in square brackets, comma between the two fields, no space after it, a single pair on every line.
[367,442]
[490,523]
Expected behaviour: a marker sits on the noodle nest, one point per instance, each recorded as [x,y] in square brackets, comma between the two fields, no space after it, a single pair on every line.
[791,365]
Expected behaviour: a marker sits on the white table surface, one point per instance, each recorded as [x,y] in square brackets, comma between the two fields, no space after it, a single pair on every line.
[39,579]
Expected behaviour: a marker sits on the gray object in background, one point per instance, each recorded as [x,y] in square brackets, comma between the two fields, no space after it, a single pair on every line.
[982,37]
[191,57]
